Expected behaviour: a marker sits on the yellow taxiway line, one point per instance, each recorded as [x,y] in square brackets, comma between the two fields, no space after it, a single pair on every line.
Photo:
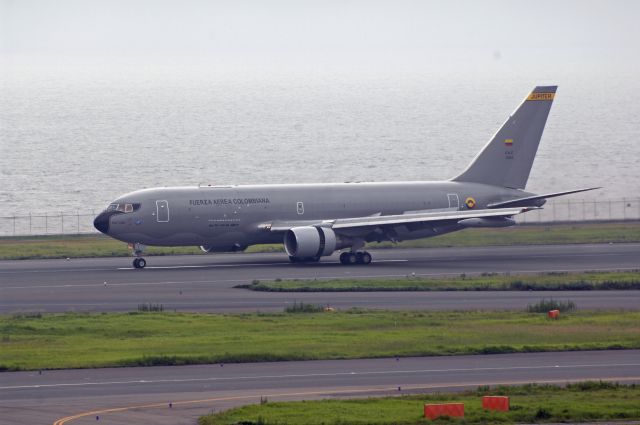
[63,421]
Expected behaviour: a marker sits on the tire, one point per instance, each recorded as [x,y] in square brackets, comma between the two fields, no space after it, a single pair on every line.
[136,263]
[348,258]
[366,258]
[343,258]
[359,256]
[142,263]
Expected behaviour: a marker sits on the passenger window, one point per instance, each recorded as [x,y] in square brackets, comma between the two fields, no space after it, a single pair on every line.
[300,208]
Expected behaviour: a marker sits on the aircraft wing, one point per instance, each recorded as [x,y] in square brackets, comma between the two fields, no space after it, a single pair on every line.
[398,219]
[523,202]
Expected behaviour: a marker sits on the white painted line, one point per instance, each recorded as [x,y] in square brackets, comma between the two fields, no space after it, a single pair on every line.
[390,261]
[319,278]
[313,375]
[207,266]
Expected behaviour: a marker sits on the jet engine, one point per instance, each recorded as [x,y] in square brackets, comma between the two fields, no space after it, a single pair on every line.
[310,242]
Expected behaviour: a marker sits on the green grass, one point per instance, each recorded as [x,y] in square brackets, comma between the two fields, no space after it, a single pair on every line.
[487,282]
[581,402]
[546,305]
[75,246]
[126,339]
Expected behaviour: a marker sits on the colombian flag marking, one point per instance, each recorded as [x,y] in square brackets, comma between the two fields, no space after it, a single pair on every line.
[470,202]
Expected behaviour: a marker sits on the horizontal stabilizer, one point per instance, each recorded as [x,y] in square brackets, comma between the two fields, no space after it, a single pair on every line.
[528,201]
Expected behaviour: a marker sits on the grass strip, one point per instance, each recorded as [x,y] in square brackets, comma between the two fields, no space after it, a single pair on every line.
[486,282]
[530,234]
[72,340]
[574,403]
[77,246]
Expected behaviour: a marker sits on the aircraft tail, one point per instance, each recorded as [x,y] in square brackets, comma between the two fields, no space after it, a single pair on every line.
[507,159]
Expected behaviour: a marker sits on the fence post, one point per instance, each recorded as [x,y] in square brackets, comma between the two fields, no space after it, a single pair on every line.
[14,224]
[78,221]
[46,224]
[609,209]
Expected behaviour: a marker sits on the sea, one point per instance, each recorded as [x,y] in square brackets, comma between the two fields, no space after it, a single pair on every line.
[72,138]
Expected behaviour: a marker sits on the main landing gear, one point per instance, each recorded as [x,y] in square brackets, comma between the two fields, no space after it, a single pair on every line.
[360,257]
[138,262]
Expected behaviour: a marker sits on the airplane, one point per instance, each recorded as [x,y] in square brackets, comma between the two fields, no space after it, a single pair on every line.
[316,220]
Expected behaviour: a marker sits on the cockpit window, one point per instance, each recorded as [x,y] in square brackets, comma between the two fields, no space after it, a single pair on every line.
[124,208]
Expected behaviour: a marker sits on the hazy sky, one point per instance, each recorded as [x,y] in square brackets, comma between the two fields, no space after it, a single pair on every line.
[280,33]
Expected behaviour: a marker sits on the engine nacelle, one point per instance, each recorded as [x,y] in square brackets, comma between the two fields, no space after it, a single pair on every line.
[310,242]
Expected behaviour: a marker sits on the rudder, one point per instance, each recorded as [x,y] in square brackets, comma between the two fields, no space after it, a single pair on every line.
[507,159]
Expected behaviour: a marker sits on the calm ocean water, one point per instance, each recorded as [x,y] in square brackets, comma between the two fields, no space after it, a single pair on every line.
[75,140]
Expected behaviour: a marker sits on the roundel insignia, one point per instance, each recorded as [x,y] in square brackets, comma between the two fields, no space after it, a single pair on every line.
[470,202]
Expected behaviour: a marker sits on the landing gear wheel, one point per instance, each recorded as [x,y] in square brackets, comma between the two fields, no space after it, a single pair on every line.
[343,258]
[139,263]
[365,258]
[348,258]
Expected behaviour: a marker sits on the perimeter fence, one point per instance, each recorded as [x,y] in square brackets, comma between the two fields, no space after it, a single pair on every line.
[554,211]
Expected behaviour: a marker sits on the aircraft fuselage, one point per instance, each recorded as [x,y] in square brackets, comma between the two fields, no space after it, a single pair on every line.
[227,218]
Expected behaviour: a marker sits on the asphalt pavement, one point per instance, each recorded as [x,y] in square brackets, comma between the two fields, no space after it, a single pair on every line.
[206,282]
[180,394]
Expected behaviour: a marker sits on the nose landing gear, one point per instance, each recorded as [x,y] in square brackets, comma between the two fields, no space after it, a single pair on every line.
[139,263]
[360,257]
[138,249]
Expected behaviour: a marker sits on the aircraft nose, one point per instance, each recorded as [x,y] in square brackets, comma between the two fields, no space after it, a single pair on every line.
[101,222]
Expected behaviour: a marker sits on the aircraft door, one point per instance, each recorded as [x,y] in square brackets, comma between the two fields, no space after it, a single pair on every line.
[162,211]
[454,201]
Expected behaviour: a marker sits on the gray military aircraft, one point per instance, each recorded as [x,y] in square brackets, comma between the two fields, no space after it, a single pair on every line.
[315,220]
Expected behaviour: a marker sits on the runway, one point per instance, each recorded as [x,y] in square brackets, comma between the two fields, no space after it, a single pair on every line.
[206,282]
[30,398]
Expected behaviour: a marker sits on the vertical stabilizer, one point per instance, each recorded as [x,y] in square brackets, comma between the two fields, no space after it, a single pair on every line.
[507,159]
